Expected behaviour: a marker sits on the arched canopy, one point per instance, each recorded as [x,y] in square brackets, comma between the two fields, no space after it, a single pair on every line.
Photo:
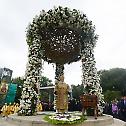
[59,36]
[62,34]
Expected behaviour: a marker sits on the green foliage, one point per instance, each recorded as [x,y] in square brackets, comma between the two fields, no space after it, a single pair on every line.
[77,91]
[44,94]
[114,79]
[45,82]
[61,122]
[113,83]
[19,81]
[111,95]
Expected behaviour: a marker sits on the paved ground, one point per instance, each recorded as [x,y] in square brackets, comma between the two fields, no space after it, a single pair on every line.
[118,122]
[3,122]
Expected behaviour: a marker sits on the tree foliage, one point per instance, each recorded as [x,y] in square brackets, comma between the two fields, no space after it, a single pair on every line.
[46,95]
[114,80]
[19,81]
[111,95]
[113,83]
[77,91]
[45,82]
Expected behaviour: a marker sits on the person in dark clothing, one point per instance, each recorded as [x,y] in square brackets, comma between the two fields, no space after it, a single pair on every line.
[108,109]
[72,103]
[122,108]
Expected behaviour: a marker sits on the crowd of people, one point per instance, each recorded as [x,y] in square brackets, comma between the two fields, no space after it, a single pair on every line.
[9,109]
[117,108]
[73,105]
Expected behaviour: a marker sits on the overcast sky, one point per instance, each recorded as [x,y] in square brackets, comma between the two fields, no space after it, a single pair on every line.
[109,17]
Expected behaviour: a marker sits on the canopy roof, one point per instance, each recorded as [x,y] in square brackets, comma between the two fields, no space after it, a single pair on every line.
[62,34]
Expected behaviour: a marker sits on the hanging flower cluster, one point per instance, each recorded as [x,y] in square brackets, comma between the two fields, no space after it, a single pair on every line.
[90,78]
[29,98]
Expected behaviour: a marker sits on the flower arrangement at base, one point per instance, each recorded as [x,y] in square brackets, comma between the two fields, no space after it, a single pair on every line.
[59,119]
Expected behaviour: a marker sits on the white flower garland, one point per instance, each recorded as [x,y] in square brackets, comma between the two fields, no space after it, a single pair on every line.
[29,98]
[90,78]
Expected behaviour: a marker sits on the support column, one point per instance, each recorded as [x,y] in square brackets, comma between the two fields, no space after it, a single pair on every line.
[59,71]
[90,78]
[30,92]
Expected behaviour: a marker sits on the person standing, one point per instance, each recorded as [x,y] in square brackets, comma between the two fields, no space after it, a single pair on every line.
[114,109]
[39,107]
[122,108]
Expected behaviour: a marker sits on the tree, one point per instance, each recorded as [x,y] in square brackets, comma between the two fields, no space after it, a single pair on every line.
[19,81]
[114,80]
[111,95]
[77,91]
[44,94]
[45,82]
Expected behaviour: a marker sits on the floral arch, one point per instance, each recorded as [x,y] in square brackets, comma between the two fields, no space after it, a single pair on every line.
[59,36]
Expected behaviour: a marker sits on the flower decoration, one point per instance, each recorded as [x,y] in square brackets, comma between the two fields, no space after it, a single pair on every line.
[59,36]
[59,119]
[62,33]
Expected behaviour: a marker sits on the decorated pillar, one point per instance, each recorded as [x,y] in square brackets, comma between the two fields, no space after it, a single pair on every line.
[30,91]
[59,71]
[90,77]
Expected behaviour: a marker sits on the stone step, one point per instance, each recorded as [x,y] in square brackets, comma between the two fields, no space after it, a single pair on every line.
[38,121]
[90,122]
